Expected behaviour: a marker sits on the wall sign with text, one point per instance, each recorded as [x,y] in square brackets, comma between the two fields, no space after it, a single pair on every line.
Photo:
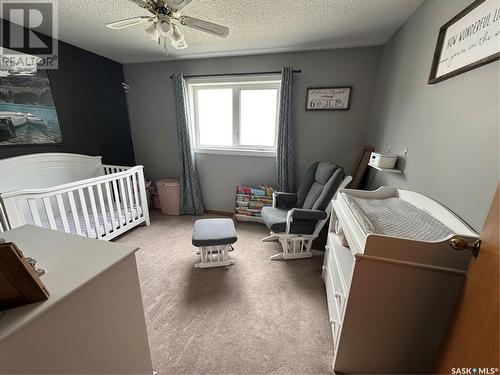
[469,40]
[328,98]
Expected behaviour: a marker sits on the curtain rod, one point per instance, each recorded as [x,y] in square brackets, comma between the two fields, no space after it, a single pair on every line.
[237,74]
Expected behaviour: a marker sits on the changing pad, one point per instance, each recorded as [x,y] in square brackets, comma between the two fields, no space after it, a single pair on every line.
[397,218]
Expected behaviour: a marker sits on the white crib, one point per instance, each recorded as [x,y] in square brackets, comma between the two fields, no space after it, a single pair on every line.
[72,193]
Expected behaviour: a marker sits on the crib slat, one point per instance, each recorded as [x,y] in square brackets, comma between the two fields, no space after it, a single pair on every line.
[129,190]
[117,202]
[97,224]
[103,209]
[50,213]
[124,200]
[110,206]
[34,212]
[85,212]
[62,212]
[136,196]
[74,213]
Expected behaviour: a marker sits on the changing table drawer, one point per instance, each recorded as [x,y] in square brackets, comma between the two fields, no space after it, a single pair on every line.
[333,312]
[338,293]
[345,260]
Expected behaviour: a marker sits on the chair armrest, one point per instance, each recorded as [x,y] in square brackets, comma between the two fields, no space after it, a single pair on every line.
[304,214]
[284,200]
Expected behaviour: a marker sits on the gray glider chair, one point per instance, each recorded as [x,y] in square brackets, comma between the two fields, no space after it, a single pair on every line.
[295,219]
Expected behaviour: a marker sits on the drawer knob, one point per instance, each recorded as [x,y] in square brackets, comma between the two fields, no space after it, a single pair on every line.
[333,323]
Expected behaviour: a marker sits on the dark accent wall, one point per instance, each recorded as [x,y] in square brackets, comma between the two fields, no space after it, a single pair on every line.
[91,107]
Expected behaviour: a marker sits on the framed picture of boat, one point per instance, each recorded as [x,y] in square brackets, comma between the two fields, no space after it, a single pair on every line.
[27,112]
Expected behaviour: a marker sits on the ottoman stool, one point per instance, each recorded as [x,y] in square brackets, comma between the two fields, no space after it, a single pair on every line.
[214,237]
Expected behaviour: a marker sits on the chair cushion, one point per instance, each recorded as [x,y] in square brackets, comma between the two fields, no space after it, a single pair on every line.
[313,195]
[214,232]
[275,219]
[324,171]
[284,200]
[326,178]
[329,190]
[306,184]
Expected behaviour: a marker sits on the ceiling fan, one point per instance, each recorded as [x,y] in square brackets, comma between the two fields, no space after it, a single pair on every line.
[166,20]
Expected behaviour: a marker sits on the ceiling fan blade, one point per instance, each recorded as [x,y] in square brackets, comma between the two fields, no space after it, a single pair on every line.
[176,4]
[141,3]
[127,22]
[208,27]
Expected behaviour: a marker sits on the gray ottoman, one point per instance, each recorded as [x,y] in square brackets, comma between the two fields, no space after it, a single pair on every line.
[214,237]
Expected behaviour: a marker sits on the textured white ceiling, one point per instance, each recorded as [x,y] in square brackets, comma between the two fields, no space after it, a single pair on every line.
[256,26]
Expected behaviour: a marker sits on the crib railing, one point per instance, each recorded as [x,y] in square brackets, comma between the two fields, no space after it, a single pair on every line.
[110,169]
[3,219]
[102,207]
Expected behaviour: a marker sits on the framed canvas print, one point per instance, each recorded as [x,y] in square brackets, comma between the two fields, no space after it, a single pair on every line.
[469,40]
[328,98]
[27,112]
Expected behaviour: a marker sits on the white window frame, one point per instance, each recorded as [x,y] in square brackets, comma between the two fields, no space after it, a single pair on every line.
[237,83]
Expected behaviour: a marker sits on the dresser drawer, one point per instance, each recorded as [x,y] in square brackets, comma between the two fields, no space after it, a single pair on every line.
[339,294]
[333,312]
[345,259]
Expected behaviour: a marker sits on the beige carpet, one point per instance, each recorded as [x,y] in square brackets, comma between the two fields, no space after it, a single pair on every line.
[257,316]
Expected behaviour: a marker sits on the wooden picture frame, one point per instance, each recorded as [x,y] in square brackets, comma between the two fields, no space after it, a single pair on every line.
[361,167]
[19,283]
[469,40]
[328,98]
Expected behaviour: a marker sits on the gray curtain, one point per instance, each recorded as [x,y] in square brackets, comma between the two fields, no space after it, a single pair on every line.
[191,199]
[285,158]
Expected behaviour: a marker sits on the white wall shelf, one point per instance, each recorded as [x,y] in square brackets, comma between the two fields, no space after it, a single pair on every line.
[386,170]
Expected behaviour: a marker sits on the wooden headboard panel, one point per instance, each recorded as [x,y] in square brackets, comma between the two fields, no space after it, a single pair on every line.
[37,171]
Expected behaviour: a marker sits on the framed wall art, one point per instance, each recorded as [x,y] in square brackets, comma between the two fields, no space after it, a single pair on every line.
[27,111]
[469,40]
[328,98]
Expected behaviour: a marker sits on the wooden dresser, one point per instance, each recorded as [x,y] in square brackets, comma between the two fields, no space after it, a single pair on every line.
[390,298]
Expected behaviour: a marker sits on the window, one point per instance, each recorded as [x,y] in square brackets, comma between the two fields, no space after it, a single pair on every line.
[235,115]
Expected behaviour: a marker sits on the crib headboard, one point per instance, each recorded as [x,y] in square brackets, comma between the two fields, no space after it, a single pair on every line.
[37,171]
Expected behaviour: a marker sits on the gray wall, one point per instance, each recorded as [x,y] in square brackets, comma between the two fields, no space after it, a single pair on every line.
[451,128]
[321,135]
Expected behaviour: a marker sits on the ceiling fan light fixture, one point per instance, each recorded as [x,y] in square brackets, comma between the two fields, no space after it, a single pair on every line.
[177,39]
[180,45]
[164,26]
[151,30]
[176,35]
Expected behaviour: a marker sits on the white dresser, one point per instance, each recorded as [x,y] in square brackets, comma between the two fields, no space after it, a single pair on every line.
[93,321]
[392,290]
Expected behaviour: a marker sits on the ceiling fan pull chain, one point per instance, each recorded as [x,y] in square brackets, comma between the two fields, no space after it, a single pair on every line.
[165,46]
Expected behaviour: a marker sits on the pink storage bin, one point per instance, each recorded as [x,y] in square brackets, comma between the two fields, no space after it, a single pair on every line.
[169,192]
